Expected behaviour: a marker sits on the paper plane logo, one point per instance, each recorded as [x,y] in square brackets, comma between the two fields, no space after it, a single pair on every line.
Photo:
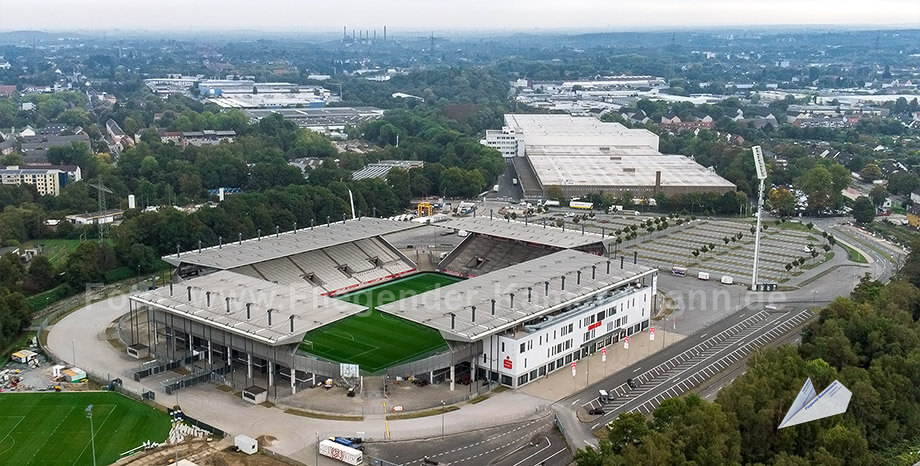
[809,407]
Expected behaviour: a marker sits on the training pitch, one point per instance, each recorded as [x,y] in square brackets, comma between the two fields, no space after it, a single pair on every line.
[376,340]
[53,428]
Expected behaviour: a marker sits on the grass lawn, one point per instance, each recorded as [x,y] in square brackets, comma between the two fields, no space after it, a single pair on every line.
[902,234]
[854,255]
[376,340]
[56,250]
[52,428]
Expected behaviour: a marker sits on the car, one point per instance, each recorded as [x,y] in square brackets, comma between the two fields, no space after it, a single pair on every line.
[632,383]
[596,411]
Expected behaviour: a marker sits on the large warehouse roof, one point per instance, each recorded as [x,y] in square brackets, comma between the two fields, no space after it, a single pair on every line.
[571,166]
[571,275]
[535,233]
[251,251]
[541,129]
[308,309]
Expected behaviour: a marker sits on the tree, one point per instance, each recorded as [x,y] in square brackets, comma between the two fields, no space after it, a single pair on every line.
[863,210]
[878,195]
[871,172]
[41,275]
[782,200]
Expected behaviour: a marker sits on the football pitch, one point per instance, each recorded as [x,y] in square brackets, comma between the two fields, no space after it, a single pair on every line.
[376,340]
[52,428]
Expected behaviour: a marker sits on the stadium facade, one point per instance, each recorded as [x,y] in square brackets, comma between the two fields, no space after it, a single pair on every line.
[582,155]
[535,299]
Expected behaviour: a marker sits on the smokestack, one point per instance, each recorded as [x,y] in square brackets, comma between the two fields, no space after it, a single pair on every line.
[473,319]
[189,289]
[228,304]
[248,315]
[207,298]
[292,324]
[493,307]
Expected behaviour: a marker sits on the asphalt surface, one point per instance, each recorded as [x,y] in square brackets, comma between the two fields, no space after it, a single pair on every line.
[528,443]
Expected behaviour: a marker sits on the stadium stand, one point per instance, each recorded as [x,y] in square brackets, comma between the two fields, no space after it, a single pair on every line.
[479,255]
[334,268]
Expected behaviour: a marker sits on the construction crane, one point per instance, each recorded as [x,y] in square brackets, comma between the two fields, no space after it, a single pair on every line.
[100,225]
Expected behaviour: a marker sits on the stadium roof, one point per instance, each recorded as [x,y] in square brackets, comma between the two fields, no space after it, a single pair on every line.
[534,233]
[509,288]
[309,309]
[252,251]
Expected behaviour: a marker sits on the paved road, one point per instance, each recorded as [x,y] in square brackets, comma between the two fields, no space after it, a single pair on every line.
[524,443]
[698,364]
[580,433]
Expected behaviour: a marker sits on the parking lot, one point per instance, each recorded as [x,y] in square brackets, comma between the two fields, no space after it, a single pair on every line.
[690,368]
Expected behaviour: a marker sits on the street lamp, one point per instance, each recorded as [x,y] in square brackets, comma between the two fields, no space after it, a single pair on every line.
[92,434]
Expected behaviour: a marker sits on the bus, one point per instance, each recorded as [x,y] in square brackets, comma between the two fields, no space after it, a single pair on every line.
[679,271]
[581,205]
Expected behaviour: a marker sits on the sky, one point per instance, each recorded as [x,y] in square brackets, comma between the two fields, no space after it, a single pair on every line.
[442,15]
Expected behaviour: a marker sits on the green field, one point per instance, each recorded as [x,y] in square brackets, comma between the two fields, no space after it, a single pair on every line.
[52,428]
[376,340]
[56,250]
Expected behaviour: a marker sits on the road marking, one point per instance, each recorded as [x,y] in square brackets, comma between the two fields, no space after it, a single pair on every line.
[576,401]
[637,369]
[703,335]
[548,444]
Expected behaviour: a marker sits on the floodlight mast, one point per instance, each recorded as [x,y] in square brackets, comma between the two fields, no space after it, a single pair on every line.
[761,168]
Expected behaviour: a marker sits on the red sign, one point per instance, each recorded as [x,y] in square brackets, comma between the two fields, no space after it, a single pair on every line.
[507,362]
[573,364]
[595,325]
[604,351]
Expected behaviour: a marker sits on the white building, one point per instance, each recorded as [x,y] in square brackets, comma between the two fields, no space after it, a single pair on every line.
[522,130]
[47,181]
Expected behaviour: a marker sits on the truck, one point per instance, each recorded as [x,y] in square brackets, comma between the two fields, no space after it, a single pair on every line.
[581,205]
[347,442]
[549,203]
[334,450]
[703,275]
[495,189]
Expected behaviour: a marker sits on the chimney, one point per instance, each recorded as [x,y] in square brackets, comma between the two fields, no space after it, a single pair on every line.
[635,257]
[473,317]
[207,298]
[563,282]
[170,289]
[493,307]
[269,317]
[578,278]
[593,271]
[292,324]
[608,267]
[657,182]
[248,315]
[512,301]
[452,320]
[189,289]
[529,289]
[228,304]
[546,293]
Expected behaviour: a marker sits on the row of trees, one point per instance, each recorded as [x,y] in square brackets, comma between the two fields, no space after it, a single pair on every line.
[868,341]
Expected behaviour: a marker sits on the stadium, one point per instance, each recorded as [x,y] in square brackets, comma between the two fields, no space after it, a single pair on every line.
[509,304]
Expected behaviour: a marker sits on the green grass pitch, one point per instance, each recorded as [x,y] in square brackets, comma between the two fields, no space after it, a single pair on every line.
[52,428]
[376,340]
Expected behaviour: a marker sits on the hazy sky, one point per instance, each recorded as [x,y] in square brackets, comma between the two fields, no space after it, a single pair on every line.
[424,15]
